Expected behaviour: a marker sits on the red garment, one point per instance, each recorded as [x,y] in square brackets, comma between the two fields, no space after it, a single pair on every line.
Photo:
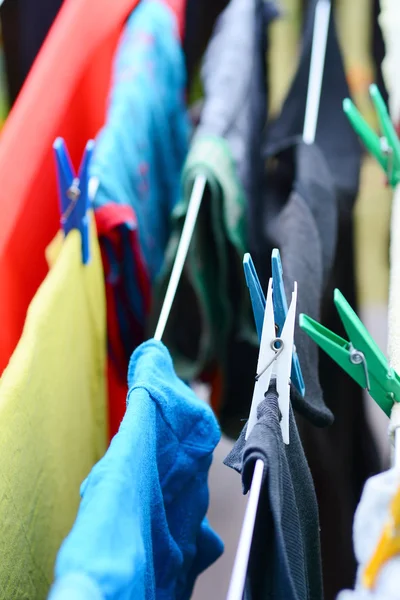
[109,221]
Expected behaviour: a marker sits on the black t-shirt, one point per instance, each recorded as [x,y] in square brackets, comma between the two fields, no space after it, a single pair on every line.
[285,559]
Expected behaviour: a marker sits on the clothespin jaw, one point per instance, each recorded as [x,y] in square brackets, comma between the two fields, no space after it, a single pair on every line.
[256,293]
[74,193]
[280,311]
[360,357]
[386,149]
[279,304]
[275,356]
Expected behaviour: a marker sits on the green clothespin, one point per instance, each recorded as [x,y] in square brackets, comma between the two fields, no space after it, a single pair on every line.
[386,149]
[361,358]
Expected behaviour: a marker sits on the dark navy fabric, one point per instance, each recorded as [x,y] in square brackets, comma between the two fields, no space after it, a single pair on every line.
[141,530]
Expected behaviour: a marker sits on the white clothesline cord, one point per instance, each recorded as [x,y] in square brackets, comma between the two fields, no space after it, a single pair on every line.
[183,247]
[238,579]
[320,37]
[318,51]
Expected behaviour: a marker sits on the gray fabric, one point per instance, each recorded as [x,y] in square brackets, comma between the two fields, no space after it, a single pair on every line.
[234,79]
[285,562]
[299,216]
[304,228]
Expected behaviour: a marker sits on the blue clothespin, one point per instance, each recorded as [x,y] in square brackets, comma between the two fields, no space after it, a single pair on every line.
[280,310]
[73,192]
[256,294]
[279,303]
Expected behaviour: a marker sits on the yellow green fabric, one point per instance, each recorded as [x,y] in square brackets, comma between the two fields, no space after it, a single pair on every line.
[53,417]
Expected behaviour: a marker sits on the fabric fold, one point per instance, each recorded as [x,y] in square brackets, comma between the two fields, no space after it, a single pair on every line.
[141,529]
[53,415]
[202,314]
[211,310]
[138,159]
[285,558]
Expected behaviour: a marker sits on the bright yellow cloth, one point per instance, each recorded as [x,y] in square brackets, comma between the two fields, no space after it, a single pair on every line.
[388,546]
[52,418]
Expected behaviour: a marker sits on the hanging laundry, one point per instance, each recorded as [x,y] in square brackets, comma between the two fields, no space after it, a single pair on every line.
[285,558]
[141,529]
[140,151]
[372,514]
[306,212]
[53,416]
[76,77]
[138,160]
[212,301]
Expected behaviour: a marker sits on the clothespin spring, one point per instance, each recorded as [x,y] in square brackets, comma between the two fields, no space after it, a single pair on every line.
[73,194]
[357,358]
[388,152]
[277,349]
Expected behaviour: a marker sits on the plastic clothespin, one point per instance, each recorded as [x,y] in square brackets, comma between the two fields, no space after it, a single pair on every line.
[361,358]
[385,149]
[74,193]
[256,294]
[275,357]
[279,303]
[280,311]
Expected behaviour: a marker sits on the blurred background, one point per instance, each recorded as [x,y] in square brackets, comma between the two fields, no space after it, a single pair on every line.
[24,26]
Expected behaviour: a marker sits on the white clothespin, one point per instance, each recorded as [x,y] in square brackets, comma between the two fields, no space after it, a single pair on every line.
[275,357]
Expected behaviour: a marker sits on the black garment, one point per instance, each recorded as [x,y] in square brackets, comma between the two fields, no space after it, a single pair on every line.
[304,228]
[200,19]
[342,457]
[285,561]
[25,24]
[298,214]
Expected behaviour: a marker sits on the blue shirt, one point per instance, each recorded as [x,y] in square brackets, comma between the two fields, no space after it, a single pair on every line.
[141,530]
